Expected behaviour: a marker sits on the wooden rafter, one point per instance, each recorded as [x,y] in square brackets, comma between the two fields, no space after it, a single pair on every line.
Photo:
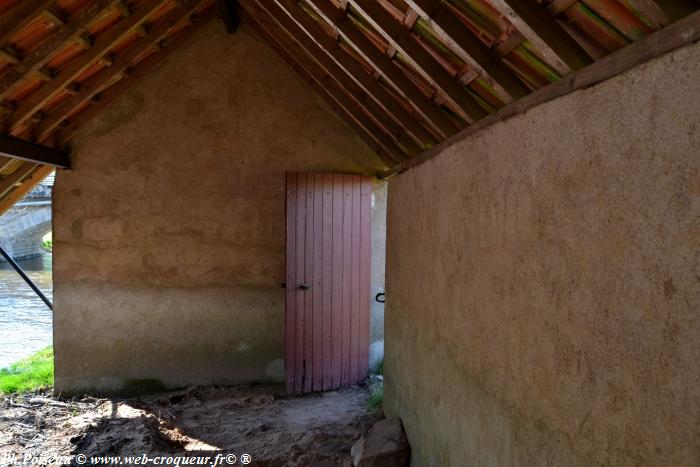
[76,67]
[394,130]
[37,175]
[384,64]
[19,16]
[120,63]
[19,149]
[9,182]
[539,27]
[397,34]
[312,59]
[69,32]
[683,32]
[355,70]
[136,73]
[471,49]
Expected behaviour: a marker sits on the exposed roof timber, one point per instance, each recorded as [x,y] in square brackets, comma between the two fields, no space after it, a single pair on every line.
[228,9]
[540,28]
[382,96]
[674,9]
[344,79]
[119,65]
[102,46]
[33,62]
[397,34]
[9,182]
[19,16]
[384,64]
[106,97]
[330,98]
[683,32]
[472,49]
[20,149]
[36,176]
[309,57]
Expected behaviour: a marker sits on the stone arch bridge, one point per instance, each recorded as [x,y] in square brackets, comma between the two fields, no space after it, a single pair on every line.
[23,227]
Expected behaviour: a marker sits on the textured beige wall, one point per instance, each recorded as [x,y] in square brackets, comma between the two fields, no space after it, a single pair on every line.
[542,281]
[169,232]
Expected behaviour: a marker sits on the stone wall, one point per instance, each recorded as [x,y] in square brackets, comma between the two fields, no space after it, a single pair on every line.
[542,282]
[169,232]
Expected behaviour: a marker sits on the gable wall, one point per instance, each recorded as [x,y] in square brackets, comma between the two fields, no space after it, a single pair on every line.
[169,231]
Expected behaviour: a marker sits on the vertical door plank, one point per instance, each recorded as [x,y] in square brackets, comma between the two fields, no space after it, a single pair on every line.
[347,278]
[327,364]
[299,278]
[309,280]
[317,288]
[365,274]
[355,281]
[337,282]
[290,298]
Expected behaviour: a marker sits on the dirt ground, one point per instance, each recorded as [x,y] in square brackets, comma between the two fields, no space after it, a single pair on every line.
[261,421]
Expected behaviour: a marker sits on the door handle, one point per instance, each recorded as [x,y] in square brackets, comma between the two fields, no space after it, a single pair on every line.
[304,287]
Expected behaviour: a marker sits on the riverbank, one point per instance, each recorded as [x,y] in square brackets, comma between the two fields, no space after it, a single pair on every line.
[34,373]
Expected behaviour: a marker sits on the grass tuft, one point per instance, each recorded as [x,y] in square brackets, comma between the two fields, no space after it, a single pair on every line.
[30,374]
[375,401]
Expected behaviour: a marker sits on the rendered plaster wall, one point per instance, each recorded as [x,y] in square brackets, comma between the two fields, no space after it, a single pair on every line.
[542,283]
[169,232]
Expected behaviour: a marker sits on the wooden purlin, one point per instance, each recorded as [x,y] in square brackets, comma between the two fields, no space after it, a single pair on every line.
[472,49]
[102,46]
[385,66]
[107,96]
[397,34]
[355,70]
[63,36]
[35,177]
[121,62]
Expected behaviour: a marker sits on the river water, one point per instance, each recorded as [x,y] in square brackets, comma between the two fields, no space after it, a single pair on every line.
[25,321]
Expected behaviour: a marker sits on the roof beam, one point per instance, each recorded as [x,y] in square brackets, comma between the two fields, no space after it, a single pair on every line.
[470,48]
[384,64]
[102,46]
[33,62]
[38,174]
[108,95]
[19,149]
[398,35]
[674,36]
[16,177]
[19,16]
[382,96]
[344,79]
[534,22]
[104,77]
[327,86]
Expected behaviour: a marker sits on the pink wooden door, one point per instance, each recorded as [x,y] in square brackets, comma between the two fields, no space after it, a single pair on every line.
[328,280]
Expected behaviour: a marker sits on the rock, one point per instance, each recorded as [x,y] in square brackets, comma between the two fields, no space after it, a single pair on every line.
[376,355]
[383,445]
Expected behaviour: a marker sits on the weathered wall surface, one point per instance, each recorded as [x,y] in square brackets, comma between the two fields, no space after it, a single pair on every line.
[169,232]
[542,281]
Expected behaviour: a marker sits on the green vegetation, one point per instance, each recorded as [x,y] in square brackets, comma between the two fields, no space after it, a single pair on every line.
[376,398]
[47,245]
[375,401]
[30,374]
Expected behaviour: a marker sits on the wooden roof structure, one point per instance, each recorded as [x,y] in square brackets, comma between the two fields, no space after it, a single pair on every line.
[406,75]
